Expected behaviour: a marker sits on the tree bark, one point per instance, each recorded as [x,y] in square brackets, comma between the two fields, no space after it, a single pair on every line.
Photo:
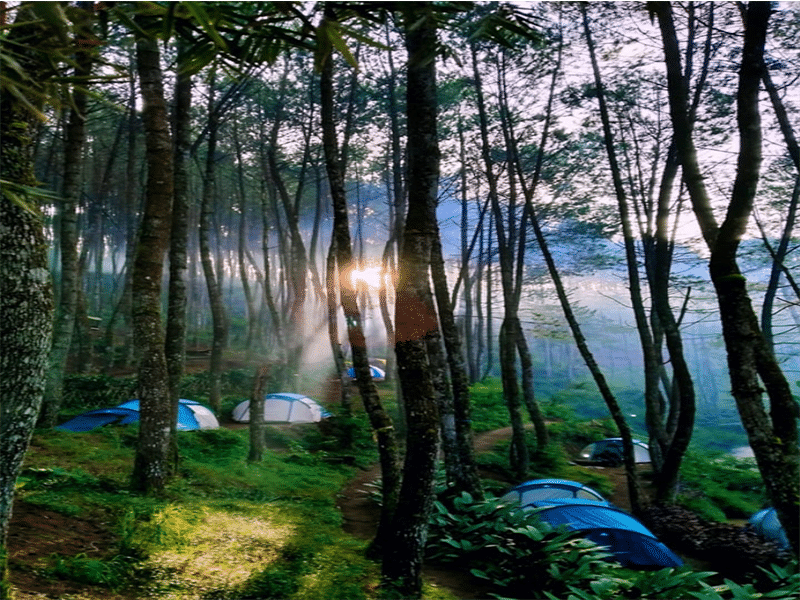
[26,295]
[151,463]
[772,435]
[68,234]
[175,337]
[256,428]
[210,270]
[415,319]
[379,418]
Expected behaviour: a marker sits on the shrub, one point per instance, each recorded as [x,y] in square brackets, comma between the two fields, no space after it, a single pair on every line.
[511,549]
[85,392]
[721,487]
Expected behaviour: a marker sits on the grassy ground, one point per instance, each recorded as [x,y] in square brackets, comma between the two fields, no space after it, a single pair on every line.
[226,529]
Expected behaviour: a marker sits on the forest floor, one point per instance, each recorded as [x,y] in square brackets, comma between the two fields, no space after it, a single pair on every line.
[36,534]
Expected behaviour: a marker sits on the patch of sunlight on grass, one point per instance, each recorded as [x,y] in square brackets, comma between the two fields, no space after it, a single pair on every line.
[223,550]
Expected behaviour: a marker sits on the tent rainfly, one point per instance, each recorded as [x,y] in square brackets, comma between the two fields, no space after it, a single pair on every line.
[283,408]
[191,416]
[631,543]
[766,523]
[378,374]
[537,490]
[609,452]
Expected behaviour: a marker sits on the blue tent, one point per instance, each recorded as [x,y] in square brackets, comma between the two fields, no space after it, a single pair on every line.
[765,523]
[378,374]
[191,415]
[548,489]
[631,543]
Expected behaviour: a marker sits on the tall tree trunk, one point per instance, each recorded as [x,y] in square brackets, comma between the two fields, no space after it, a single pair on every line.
[175,338]
[652,363]
[151,464]
[460,464]
[68,234]
[210,270]
[772,435]
[332,296]
[249,297]
[379,418]
[415,312]
[26,294]
[507,340]
[791,212]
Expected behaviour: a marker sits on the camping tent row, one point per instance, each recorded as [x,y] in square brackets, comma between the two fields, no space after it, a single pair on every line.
[577,507]
[284,407]
[191,416]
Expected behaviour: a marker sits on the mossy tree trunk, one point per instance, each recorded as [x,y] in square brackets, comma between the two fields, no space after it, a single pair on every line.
[151,464]
[26,295]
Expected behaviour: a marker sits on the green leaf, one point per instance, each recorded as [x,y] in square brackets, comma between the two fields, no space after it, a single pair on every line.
[200,15]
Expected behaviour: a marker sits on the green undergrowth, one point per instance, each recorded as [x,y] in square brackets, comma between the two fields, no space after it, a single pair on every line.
[224,529]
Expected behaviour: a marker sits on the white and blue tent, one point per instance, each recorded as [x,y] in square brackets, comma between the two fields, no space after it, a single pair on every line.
[191,416]
[377,373]
[537,490]
[284,407]
[630,542]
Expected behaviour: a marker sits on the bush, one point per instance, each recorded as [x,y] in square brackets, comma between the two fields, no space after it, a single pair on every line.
[511,549]
[721,487]
[85,392]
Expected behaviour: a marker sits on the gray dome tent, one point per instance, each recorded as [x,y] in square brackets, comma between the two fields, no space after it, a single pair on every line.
[283,407]
[608,452]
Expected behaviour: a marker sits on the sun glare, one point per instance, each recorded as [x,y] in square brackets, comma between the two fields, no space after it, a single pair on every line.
[369,275]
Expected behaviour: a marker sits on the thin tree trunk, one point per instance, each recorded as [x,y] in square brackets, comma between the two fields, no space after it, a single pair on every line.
[507,340]
[249,297]
[175,339]
[460,463]
[652,363]
[379,418]
[68,237]
[332,296]
[212,272]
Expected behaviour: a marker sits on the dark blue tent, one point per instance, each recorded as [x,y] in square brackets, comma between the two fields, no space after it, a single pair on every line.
[191,415]
[765,523]
[631,543]
[537,490]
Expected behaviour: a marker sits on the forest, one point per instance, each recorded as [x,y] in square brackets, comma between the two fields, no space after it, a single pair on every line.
[590,199]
